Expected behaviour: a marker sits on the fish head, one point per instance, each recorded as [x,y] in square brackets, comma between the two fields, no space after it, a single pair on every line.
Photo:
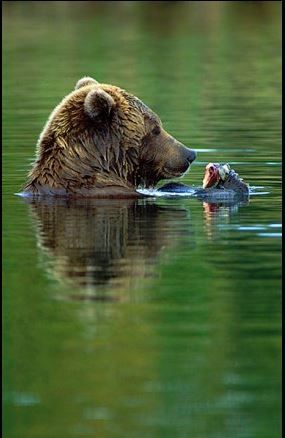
[211,176]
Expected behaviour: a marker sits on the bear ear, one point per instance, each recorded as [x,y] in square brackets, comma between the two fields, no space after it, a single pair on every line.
[98,103]
[85,81]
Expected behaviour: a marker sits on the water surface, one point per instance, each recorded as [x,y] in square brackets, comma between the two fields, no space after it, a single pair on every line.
[156,317]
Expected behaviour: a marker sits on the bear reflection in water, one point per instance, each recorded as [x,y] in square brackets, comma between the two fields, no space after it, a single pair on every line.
[104,249]
[105,246]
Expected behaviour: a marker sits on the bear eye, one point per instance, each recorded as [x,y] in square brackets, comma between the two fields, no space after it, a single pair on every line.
[156,130]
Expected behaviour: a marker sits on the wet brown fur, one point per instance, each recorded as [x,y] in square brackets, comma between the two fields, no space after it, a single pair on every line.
[101,141]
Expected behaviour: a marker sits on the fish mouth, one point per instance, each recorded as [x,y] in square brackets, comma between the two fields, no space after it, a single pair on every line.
[211,177]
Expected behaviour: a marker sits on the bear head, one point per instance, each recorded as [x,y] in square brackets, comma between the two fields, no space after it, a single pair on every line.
[101,137]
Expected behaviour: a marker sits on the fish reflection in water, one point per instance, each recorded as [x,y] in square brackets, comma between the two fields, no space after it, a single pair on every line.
[219,212]
[101,246]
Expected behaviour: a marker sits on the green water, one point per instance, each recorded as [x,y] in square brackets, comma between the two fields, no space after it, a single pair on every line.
[161,317]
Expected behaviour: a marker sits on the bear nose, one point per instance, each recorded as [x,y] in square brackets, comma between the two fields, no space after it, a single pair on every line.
[191,156]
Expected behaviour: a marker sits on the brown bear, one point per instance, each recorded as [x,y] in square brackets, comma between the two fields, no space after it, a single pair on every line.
[101,141]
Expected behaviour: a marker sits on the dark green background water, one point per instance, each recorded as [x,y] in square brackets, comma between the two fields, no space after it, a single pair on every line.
[159,318]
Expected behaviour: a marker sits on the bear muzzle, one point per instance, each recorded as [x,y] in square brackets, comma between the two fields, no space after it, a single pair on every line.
[191,155]
[181,163]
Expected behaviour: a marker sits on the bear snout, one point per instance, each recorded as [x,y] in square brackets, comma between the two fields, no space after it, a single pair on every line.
[191,155]
[180,161]
[187,156]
